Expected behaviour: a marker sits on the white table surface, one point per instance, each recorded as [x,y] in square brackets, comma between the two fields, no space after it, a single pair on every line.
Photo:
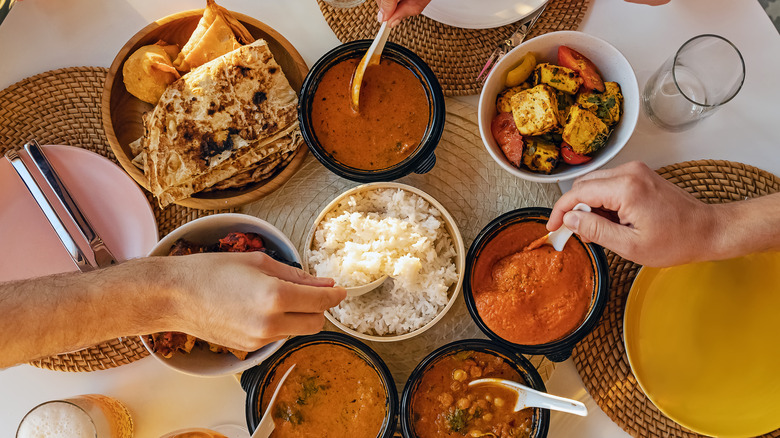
[41,35]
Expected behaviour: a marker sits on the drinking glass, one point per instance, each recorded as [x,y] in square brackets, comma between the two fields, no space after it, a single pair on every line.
[706,72]
[90,415]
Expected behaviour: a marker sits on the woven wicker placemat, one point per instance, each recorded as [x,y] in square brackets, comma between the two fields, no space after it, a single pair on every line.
[63,107]
[466,181]
[601,357]
[455,54]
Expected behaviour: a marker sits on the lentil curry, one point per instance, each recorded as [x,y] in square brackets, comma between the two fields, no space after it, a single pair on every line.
[445,406]
[332,392]
[390,125]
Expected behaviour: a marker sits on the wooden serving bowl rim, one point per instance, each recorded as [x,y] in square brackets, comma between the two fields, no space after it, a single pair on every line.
[229,200]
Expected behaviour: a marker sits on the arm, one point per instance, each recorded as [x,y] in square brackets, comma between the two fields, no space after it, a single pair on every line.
[240,300]
[656,223]
[393,11]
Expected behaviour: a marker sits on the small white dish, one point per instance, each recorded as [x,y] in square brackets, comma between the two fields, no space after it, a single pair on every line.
[613,67]
[450,226]
[208,230]
[471,14]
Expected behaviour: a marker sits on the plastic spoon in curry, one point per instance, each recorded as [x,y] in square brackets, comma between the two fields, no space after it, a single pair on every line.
[531,398]
[558,238]
[267,425]
[371,57]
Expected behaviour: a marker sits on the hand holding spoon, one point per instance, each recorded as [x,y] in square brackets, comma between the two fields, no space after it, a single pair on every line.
[557,239]
[531,398]
[371,57]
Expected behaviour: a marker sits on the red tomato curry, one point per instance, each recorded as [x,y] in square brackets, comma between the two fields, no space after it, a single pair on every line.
[390,125]
[445,406]
[532,297]
[332,392]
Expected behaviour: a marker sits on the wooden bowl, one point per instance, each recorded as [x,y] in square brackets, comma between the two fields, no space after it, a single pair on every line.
[121,111]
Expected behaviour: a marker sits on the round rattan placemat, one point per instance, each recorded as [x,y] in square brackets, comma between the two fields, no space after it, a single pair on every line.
[455,54]
[466,181]
[63,107]
[601,357]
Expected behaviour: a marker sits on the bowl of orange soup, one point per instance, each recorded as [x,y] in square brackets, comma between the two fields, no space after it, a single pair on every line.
[437,401]
[538,301]
[399,122]
[338,385]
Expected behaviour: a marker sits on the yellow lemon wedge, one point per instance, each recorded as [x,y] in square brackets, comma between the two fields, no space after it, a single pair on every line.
[522,72]
[702,341]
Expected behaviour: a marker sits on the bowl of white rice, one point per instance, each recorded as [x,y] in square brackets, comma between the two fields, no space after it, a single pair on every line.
[395,230]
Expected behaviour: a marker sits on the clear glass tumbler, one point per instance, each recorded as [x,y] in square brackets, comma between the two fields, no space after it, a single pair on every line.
[706,72]
[91,415]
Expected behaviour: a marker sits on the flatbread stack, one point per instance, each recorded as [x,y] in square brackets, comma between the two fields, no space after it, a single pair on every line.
[228,122]
[234,115]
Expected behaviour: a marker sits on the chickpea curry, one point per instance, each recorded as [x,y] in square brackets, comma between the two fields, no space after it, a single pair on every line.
[332,392]
[390,125]
[444,405]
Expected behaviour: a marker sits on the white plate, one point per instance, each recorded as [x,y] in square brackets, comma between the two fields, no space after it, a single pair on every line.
[114,204]
[472,14]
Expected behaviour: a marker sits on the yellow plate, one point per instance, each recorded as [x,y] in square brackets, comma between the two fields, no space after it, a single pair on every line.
[703,341]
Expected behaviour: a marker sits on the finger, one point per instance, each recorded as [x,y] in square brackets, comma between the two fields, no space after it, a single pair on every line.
[602,193]
[289,273]
[407,8]
[386,9]
[294,324]
[260,343]
[592,227]
[307,299]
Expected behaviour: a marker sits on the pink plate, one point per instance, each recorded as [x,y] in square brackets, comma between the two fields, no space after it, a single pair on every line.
[115,206]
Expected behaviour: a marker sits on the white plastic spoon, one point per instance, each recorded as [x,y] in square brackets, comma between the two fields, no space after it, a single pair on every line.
[356,291]
[371,57]
[558,238]
[267,425]
[531,398]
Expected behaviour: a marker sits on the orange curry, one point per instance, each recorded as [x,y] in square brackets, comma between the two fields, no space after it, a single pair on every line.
[532,297]
[391,122]
[332,392]
[445,406]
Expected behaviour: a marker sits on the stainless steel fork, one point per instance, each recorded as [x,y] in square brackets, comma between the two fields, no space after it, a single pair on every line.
[510,43]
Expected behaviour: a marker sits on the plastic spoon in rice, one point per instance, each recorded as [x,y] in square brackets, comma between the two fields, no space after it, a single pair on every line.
[558,238]
[356,291]
[531,398]
[267,425]
[371,57]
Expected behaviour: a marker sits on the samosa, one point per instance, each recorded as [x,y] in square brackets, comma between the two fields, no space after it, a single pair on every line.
[149,71]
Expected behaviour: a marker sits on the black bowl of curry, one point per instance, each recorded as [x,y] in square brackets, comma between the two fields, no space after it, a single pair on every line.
[535,301]
[339,387]
[399,122]
[437,400]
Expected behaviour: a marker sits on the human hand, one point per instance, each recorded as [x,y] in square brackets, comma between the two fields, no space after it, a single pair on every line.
[656,223]
[246,300]
[393,11]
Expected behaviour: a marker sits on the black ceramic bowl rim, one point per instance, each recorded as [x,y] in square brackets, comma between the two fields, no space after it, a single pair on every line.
[255,379]
[559,349]
[423,159]
[541,418]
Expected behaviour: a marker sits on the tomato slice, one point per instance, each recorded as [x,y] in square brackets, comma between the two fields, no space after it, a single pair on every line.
[508,138]
[571,157]
[574,60]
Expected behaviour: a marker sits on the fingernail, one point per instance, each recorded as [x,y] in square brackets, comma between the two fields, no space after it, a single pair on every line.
[571,220]
[380,17]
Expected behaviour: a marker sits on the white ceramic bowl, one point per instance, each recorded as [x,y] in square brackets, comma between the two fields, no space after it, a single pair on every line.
[450,226]
[208,230]
[613,67]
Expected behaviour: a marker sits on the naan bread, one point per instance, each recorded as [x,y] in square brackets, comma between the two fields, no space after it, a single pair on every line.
[218,32]
[149,71]
[219,120]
